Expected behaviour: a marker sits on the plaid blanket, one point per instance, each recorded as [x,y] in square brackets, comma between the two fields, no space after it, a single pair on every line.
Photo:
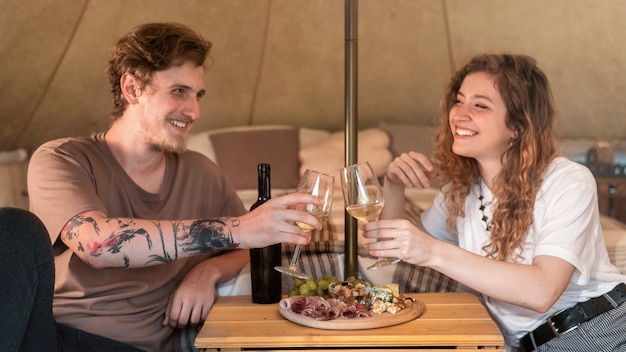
[322,255]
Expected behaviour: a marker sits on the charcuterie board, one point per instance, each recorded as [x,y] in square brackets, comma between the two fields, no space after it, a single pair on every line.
[371,322]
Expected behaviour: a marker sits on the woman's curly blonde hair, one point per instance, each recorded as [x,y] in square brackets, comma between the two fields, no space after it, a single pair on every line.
[530,113]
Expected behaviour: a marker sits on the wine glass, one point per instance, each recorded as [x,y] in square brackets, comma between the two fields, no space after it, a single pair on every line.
[320,185]
[364,199]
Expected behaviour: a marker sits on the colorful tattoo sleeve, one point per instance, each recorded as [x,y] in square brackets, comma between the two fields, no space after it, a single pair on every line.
[202,236]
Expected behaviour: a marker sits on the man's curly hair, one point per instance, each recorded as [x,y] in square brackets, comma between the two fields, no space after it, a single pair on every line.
[152,47]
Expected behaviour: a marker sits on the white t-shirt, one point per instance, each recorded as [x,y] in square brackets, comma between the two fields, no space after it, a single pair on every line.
[566,225]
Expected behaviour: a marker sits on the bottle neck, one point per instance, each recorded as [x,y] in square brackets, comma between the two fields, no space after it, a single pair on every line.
[264,185]
[265,188]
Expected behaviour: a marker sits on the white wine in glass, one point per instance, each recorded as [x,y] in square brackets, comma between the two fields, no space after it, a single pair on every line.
[321,215]
[320,185]
[364,200]
[365,213]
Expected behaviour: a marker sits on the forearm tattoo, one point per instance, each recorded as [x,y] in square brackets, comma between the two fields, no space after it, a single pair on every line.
[209,235]
[202,236]
[166,256]
[114,243]
[75,224]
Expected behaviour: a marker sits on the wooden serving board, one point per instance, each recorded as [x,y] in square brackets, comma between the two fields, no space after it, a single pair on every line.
[371,322]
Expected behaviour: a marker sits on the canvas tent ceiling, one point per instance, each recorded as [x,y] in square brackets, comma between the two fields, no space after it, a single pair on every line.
[281,61]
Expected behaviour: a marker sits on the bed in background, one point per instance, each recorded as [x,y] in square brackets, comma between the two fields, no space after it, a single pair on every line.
[290,150]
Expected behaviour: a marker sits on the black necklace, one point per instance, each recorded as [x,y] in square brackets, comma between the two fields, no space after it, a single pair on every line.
[485,218]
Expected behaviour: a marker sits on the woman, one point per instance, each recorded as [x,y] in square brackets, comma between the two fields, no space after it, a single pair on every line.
[513,221]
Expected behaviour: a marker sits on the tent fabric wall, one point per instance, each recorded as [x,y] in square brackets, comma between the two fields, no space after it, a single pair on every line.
[282,61]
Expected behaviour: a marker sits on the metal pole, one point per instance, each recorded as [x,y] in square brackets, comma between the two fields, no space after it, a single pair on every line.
[351,128]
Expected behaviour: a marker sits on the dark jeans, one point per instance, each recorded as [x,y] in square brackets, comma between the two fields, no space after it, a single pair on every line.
[26,291]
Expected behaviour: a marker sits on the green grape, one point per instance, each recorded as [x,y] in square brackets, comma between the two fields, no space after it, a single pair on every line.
[331,279]
[304,290]
[351,279]
[312,286]
[298,281]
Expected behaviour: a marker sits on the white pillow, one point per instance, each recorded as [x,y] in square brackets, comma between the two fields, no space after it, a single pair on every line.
[309,136]
[200,142]
[329,156]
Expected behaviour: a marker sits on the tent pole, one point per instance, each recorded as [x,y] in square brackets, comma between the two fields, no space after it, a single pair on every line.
[351,128]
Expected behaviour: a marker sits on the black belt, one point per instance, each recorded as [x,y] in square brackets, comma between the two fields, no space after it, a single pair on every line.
[570,318]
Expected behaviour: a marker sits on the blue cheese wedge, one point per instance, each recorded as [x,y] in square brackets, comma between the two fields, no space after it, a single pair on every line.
[379,293]
[385,299]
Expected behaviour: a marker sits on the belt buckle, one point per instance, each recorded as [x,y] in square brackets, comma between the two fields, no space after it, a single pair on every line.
[554,329]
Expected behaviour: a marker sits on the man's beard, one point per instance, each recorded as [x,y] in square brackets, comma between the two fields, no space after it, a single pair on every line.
[175,146]
[159,140]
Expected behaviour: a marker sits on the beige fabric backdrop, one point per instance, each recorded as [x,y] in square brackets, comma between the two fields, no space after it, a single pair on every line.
[282,61]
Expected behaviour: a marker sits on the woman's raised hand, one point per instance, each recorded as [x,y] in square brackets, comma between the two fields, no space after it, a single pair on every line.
[412,169]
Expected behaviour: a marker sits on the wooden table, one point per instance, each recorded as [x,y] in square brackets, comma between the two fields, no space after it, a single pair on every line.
[454,320]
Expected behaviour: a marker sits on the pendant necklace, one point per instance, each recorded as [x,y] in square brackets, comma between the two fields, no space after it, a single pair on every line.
[482,207]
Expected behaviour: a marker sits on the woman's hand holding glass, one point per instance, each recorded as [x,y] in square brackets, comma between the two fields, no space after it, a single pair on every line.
[363,198]
[399,238]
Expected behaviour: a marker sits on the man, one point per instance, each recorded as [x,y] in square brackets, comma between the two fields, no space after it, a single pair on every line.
[137,221]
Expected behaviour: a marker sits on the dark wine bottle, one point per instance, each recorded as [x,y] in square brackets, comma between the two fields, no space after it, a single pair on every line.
[266,281]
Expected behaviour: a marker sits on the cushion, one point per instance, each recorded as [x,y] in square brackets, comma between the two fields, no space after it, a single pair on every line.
[201,141]
[310,136]
[409,137]
[328,156]
[238,152]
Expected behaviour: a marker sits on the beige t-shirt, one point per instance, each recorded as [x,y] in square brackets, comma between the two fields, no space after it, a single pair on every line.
[72,175]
